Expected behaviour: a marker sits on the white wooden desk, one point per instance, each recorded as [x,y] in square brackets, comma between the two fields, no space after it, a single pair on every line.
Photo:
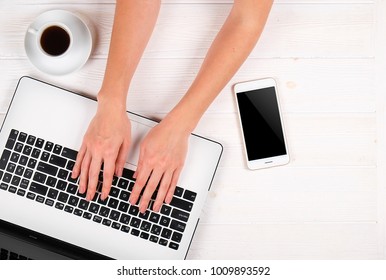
[329,58]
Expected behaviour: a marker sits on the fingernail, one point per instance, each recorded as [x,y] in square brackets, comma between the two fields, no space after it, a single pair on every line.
[156,207]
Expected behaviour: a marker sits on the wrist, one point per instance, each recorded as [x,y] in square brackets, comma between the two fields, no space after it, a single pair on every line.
[113,103]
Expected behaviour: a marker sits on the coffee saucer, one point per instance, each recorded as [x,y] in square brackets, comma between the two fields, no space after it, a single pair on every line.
[74,58]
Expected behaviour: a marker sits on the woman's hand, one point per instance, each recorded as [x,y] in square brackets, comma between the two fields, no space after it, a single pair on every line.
[162,156]
[106,141]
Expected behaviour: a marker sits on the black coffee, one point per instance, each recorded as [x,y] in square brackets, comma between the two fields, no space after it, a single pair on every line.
[55,40]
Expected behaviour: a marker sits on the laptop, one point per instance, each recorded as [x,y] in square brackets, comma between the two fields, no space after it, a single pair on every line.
[42,214]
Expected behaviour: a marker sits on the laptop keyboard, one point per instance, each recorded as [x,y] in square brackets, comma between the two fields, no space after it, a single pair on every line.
[9,255]
[40,170]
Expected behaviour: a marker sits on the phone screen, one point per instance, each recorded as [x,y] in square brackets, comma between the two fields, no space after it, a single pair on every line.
[260,118]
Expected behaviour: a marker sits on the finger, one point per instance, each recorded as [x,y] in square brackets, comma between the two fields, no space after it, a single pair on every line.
[149,190]
[164,187]
[84,173]
[173,184]
[93,175]
[108,174]
[79,159]
[142,176]
[121,159]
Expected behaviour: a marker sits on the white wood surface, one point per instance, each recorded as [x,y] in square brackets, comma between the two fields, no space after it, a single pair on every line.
[329,60]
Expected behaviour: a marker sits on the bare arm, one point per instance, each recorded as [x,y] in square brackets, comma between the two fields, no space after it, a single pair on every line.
[107,139]
[163,151]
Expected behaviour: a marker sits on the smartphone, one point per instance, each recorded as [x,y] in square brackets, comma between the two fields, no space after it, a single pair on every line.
[261,123]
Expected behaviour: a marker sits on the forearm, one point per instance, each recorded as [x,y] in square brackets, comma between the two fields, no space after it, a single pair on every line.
[134,22]
[231,47]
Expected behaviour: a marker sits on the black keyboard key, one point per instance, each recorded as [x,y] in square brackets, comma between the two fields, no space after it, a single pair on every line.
[40,177]
[134,210]
[113,203]
[114,192]
[173,246]
[125,219]
[57,149]
[135,222]
[21,192]
[13,134]
[10,143]
[61,185]
[104,212]
[154,217]
[15,181]
[97,219]
[4,159]
[22,137]
[70,154]
[106,222]
[39,143]
[124,196]
[27,150]
[40,199]
[70,165]
[24,184]
[123,206]
[31,140]
[19,170]
[63,197]
[68,209]
[47,168]
[166,233]
[35,153]
[32,163]
[72,188]
[166,210]
[63,174]
[14,157]
[57,160]
[144,235]
[52,193]
[114,215]
[180,215]
[23,160]
[135,232]
[125,229]
[163,242]
[7,177]
[12,189]
[122,183]
[49,202]
[182,204]
[1,174]
[177,225]
[189,195]
[11,167]
[78,212]
[156,230]
[128,174]
[49,145]
[83,204]
[31,195]
[28,173]
[131,186]
[177,237]
[145,226]
[18,147]
[153,239]
[116,225]
[178,191]
[51,181]
[102,202]
[73,201]
[94,208]
[164,221]
[144,215]
[87,215]
[45,156]
[38,188]
[59,205]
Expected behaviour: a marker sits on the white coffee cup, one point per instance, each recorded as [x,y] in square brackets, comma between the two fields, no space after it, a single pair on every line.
[53,39]
[59,42]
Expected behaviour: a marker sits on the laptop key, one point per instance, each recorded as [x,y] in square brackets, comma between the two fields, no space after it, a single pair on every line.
[177,237]
[144,235]
[78,212]
[173,245]
[153,238]
[24,184]
[94,208]
[31,195]
[38,188]
[22,137]
[83,204]
[69,153]
[21,192]
[106,222]
[49,202]
[163,242]
[115,225]
[97,219]
[135,222]
[176,225]
[59,205]
[87,215]
[12,189]
[47,168]
[57,160]
[68,209]
[135,232]
[182,204]
[4,159]
[10,143]
[189,195]
[52,193]
[166,210]
[125,228]
[180,215]
[63,197]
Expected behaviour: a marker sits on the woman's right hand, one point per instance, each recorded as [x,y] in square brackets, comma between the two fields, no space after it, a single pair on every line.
[107,142]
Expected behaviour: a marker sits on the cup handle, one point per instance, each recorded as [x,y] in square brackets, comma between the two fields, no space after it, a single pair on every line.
[32,30]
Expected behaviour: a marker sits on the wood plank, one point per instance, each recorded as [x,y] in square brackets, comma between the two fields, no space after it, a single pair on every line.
[187,30]
[305,85]
[285,241]
[292,195]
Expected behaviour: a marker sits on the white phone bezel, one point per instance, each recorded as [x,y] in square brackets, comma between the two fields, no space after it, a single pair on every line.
[270,161]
